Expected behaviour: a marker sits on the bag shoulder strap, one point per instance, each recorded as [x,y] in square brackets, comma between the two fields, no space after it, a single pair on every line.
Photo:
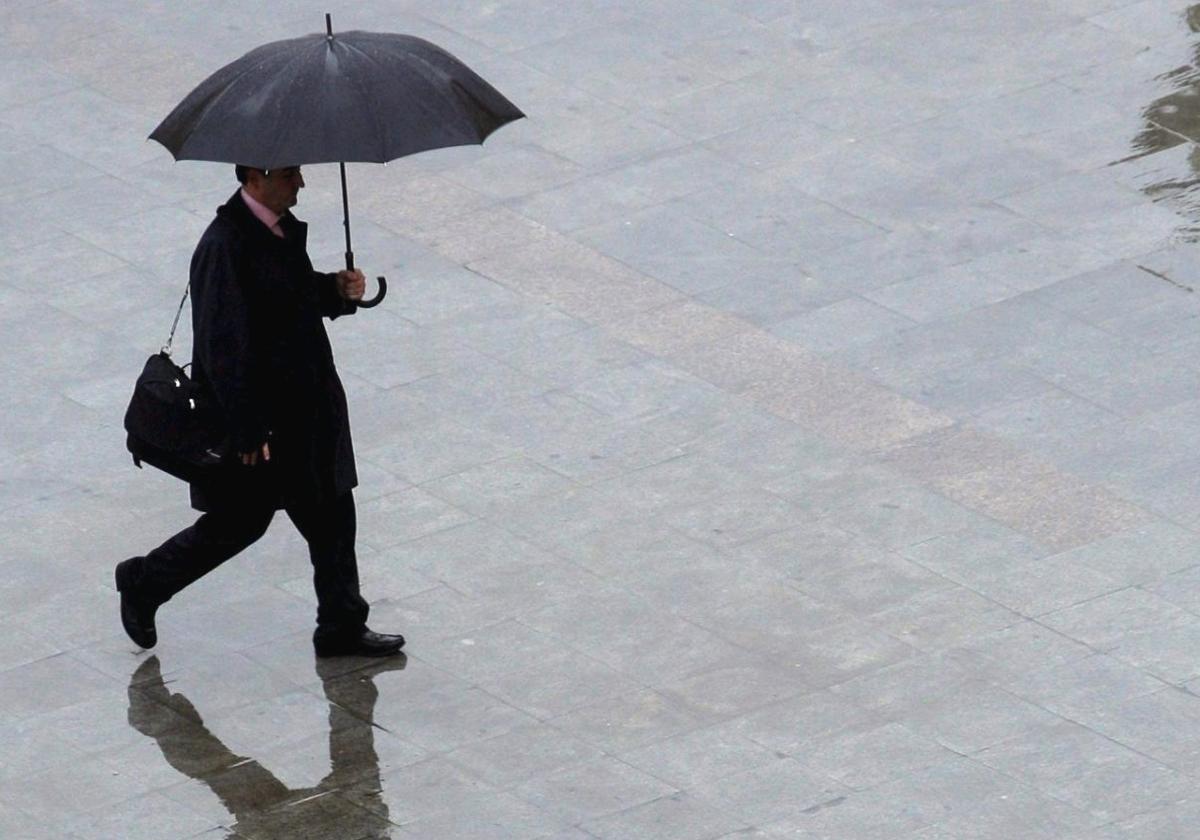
[171,338]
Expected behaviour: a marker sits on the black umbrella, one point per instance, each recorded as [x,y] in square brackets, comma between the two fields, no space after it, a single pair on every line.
[355,96]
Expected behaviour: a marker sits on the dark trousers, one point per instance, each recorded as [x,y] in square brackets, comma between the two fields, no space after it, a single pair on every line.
[218,535]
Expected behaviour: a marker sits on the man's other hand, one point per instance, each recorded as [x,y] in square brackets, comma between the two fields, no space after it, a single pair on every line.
[251,458]
[351,285]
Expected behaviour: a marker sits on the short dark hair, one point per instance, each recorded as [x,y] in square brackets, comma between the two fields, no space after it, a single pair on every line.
[241,172]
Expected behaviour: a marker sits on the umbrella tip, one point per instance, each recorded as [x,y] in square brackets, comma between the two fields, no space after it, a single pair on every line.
[328,25]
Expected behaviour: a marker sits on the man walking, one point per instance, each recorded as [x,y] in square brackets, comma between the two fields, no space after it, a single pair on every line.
[260,347]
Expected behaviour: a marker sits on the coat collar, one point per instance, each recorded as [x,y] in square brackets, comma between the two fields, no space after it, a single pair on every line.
[236,210]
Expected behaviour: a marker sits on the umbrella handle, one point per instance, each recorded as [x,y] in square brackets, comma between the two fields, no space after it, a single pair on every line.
[375,301]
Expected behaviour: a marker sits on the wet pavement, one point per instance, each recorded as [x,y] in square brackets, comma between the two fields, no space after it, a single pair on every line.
[788,430]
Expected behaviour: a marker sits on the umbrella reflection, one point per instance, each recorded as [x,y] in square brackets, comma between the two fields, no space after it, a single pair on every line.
[261,805]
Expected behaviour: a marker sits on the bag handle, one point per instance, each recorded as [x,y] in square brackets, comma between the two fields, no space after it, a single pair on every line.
[171,338]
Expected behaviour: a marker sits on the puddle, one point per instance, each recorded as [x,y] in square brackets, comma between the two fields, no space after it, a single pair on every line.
[1165,159]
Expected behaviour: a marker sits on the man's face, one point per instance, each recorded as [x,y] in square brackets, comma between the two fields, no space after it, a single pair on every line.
[277,188]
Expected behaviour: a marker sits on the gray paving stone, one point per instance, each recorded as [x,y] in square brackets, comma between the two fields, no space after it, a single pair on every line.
[454,448]
[563,434]
[600,136]
[630,720]
[513,172]
[666,244]
[698,412]
[891,512]
[732,684]
[704,755]
[1089,196]
[676,816]
[419,200]
[773,141]
[22,825]
[1051,423]
[1145,723]
[406,515]
[981,473]
[1087,770]
[524,753]
[766,291]
[777,217]
[777,791]
[561,523]
[733,518]
[631,635]
[587,49]
[762,445]
[1141,555]
[437,613]
[672,328]
[1017,653]
[863,757]
[831,328]
[392,353]
[1044,586]
[884,205]
[502,815]
[936,620]
[586,202]
[1135,627]
[866,588]
[576,280]
[1085,684]
[939,294]
[1163,822]
[563,360]
[479,489]
[813,550]
[821,644]
[789,726]
[663,77]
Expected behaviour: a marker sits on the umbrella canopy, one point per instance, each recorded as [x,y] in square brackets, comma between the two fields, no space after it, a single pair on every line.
[354,96]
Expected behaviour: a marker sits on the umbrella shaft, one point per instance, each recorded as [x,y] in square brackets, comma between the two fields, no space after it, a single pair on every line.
[346,219]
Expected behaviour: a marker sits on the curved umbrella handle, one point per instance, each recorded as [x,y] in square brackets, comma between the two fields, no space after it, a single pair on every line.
[375,301]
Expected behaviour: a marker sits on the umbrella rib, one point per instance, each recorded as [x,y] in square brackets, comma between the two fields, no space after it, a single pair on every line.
[430,68]
[296,57]
[459,90]
[225,89]
[380,131]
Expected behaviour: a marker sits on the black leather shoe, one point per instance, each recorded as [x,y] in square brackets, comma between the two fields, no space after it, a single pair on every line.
[137,617]
[368,643]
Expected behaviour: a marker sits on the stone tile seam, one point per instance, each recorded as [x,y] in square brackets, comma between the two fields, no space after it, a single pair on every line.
[1096,767]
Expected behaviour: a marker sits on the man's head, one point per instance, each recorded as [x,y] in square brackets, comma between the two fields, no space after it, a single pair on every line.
[274,188]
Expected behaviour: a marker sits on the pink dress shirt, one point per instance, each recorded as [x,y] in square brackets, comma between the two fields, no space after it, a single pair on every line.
[264,213]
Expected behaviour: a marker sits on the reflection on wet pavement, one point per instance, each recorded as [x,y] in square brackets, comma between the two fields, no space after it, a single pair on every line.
[260,804]
[1173,122]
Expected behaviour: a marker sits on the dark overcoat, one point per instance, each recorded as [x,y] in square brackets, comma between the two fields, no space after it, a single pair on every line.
[260,348]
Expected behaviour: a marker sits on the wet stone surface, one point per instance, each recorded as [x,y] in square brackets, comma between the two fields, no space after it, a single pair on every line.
[788,430]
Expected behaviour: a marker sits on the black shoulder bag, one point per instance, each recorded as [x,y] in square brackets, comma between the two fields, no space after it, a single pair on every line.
[172,423]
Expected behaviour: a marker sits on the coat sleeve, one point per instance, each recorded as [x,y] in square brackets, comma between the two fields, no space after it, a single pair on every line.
[222,342]
[333,304]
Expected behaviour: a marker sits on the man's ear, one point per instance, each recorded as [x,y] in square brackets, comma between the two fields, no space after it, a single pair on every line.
[254,177]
